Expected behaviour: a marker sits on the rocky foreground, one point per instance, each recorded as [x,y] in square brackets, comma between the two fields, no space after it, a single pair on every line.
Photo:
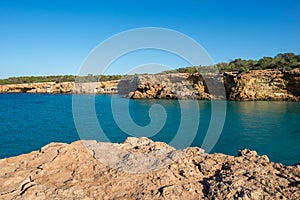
[143,169]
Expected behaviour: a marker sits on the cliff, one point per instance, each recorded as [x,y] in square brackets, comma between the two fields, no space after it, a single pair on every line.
[264,85]
[71,171]
[63,87]
[278,85]
[255,85]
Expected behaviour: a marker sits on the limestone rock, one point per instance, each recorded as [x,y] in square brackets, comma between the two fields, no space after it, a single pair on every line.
[274,85]
[64,87]
[73,171]
[172,86]
[264,85]
[255,85]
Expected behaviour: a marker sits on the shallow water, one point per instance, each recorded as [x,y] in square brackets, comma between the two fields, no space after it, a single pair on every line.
[30,121]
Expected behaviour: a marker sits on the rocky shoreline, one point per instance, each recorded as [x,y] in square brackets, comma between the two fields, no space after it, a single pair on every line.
[276,85]
[71,171]
[105,87]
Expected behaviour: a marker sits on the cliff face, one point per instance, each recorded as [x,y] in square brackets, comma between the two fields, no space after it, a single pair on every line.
[64,87]
[264,85]
[172,86]
[168,86]
[48,87]
[254,85]
[70,171]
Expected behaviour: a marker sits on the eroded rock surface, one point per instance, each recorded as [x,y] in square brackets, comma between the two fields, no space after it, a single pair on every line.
[264,85]
[173,86]
[71,171]
[63,87]
[278,85]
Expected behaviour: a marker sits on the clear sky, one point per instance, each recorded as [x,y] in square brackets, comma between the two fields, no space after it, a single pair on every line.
[41,37]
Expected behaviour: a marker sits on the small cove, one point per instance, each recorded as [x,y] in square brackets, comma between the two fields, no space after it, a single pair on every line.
[30,121]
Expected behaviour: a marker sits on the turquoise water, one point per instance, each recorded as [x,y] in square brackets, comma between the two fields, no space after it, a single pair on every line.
[30,121]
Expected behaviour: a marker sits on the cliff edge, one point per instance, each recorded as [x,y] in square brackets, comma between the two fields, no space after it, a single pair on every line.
[277,85]
[270,84]
[71,171]
[103,87]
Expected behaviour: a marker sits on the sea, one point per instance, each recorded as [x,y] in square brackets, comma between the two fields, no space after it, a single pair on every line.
[30,121]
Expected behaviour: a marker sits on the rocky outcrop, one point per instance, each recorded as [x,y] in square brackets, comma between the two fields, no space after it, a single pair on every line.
[264,85]
[255,85]
[71,171]
[173,86]
[48,87]
[279,85]
[63,87]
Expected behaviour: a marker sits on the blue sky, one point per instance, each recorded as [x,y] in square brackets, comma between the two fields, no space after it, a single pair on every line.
[44,37]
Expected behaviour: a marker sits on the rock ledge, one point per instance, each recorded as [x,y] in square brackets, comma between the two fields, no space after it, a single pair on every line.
[71,171]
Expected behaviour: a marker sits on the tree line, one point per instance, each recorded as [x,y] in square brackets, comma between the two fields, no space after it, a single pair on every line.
[284,61]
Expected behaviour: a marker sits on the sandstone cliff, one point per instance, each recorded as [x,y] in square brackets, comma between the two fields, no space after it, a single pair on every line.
[254,85]
[277,85]
[64,87]
[172,86]
[264,85]
[71,171]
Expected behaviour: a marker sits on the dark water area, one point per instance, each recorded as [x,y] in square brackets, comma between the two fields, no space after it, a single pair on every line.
[30,121]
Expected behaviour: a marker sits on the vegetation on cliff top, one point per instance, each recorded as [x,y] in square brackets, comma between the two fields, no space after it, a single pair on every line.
[280,61]
[63,78]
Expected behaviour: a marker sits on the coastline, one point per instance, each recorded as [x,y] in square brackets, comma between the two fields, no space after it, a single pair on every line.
[264,85]
[60,170]
[103,87]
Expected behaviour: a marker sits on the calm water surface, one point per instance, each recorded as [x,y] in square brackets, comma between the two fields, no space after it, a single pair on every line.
[30,121]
